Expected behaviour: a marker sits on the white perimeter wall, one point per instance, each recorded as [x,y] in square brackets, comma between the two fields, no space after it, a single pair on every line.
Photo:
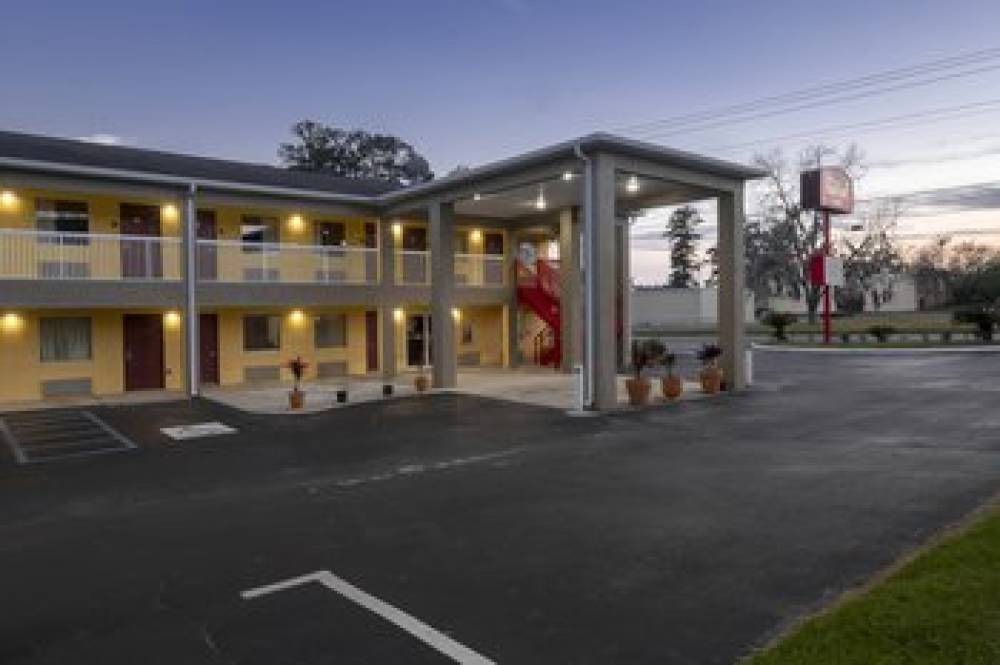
[680,308]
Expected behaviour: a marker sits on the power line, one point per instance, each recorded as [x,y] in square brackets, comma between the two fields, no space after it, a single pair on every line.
[927,116]
[819,102]
[824,90]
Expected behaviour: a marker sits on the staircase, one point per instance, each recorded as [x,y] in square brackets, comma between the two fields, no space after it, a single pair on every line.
[538,290]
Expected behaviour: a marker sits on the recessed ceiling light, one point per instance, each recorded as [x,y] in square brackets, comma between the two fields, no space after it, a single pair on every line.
[540,201]
[632,184]
[568,175]
[477,196]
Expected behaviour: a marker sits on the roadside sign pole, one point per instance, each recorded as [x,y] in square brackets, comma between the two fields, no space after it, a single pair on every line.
[827,249]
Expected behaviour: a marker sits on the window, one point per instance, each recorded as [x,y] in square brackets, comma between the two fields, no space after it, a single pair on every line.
[261,332]
[330,234]
[493,244]
[62,217]
[64,339]
[330,331]
[256,230]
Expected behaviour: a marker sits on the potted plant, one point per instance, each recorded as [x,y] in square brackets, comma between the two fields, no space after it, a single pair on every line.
[296,398]
[711,373]
[421,383]
[644,354]
[671,384]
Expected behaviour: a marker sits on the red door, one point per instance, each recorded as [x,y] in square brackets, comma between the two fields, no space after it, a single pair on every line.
[140,246]
[371,340]
[208,327]
[143,346]
[207,253]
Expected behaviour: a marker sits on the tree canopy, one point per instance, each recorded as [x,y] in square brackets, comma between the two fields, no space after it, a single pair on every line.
[353,153]
[683,246]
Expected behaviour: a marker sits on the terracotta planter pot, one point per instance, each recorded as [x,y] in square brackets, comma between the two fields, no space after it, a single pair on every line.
[638,391]
[296,399]
[672,387]
[421,383]
[711,380]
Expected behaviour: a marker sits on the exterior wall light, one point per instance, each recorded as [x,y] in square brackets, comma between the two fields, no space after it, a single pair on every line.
[398,314]
[475,236]
[540,201]
[477,196]
[8,199]
[296,316]
[397,230]
[169,212]
[296,222]
[172,319]
[456,314]
[11,322]
[632,184]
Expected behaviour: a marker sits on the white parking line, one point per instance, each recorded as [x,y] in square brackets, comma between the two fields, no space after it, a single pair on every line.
[426,634]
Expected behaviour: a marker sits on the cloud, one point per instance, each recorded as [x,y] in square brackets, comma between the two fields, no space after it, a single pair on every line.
[978,196]
[103,139]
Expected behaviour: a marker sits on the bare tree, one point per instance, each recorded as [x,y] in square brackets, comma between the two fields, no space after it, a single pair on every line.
[871,256]
[787,234]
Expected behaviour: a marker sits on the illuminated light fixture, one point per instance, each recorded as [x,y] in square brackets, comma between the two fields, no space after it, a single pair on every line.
[398,314]
[475,236]
[296,316]
[169,211]
[397,229]
[477,196]
[456,313]
[295,222]
[8,198]
[567,175]
[632,184]
[11,322]
[540,201]
[172,319]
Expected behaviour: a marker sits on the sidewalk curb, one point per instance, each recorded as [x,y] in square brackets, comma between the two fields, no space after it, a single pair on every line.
[837,349]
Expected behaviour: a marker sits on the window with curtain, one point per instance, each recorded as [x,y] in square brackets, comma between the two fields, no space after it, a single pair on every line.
[261,332]
[64,339]
[71,217]
[330,331]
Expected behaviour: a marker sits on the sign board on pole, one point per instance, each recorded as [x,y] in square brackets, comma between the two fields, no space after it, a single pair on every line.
[826,270]
[828,189]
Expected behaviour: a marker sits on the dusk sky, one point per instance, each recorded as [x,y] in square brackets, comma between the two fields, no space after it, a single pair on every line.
[469,82]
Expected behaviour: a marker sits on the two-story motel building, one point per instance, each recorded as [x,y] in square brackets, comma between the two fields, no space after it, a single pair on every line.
[124,269]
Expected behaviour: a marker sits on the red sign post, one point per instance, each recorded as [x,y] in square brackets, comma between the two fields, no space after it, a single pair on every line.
[826,190]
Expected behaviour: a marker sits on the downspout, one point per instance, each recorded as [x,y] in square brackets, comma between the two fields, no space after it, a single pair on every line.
[587,392]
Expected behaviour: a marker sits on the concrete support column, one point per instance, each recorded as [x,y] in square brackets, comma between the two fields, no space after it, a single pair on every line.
[571,288]
[624,293]
[441,222]
[387,281]
[732,276]
[192,344]
[388,340]
[600,312]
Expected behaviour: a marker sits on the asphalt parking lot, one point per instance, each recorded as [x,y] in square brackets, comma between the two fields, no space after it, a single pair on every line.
[451,528]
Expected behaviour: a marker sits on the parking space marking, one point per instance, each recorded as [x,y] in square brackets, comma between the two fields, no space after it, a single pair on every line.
[426,634]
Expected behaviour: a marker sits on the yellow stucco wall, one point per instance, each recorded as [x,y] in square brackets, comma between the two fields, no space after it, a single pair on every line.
[297,339]
[24,371]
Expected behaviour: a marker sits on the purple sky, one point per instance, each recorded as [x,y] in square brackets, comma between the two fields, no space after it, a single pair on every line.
[469,81]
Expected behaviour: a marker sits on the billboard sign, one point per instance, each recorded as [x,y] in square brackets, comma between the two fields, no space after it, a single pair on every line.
[828,189]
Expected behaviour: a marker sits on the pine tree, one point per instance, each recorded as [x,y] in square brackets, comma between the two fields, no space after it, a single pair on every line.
[683,246]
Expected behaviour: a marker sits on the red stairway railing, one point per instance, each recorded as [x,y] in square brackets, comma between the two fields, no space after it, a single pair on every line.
[538,289]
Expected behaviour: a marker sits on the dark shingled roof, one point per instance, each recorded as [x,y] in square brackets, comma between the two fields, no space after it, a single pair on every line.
[82,153]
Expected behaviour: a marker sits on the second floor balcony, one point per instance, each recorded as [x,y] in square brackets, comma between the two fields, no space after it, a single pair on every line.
[51,255]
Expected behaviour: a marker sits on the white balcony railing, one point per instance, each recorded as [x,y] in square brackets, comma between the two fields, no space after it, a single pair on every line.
[30,254]
[479,270]
[234,261]
[413,267]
